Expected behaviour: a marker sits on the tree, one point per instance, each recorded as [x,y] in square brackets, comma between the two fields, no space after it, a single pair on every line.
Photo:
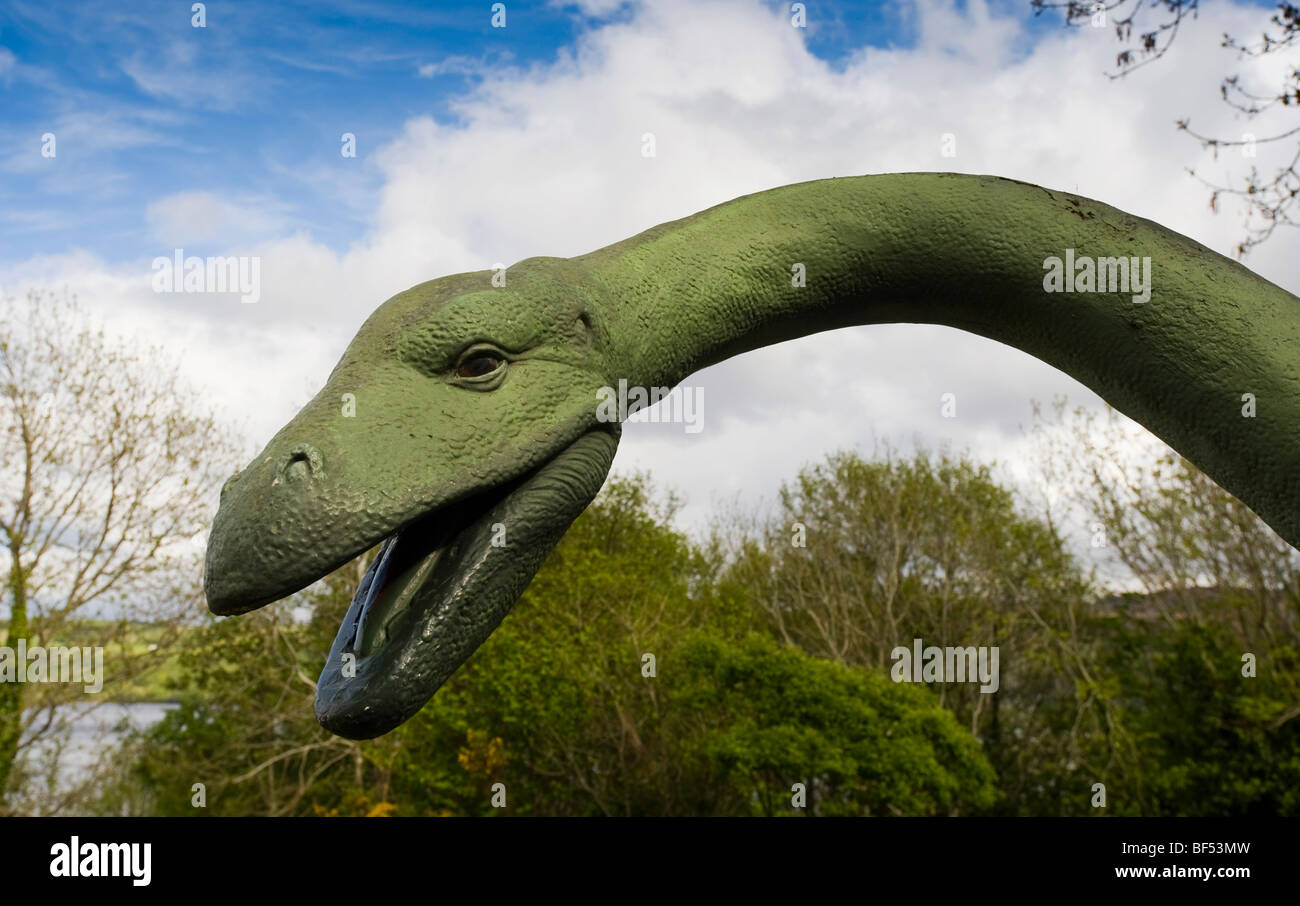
[109,468]
[861,557]
[1165,523]
[642,673]
[1202,673]
[245,728]
[1270,202]
[562,706]
[857,743]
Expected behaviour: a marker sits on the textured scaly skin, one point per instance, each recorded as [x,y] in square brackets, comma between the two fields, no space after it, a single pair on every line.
[962,251]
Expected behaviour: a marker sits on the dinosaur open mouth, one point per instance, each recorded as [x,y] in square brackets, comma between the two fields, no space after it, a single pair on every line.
[404,564]
[440,585]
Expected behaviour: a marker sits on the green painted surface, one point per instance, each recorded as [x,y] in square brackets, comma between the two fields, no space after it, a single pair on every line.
[479,475]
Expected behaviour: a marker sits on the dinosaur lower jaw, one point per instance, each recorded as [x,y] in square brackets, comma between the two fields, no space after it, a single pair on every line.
[441,584]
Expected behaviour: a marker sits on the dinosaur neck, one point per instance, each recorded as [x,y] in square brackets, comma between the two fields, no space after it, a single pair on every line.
[969,252]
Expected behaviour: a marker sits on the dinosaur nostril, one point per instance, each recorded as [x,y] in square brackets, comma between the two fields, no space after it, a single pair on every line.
[303,461]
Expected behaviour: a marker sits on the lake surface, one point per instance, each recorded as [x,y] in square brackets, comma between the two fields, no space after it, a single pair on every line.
[91,733]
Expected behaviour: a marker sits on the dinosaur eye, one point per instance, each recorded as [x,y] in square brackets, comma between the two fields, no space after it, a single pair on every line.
[479,364]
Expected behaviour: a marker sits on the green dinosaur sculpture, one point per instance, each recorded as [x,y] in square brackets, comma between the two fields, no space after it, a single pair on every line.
[475,439]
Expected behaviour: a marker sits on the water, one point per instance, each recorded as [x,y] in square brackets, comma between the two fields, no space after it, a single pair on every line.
[91,733]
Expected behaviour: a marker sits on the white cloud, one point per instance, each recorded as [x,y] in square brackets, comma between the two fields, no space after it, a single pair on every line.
[548,162]
[172,75]
[198,216]
[454,65]
[250,367]
[91,132]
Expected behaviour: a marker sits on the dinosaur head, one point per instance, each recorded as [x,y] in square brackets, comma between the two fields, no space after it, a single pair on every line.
[459,433]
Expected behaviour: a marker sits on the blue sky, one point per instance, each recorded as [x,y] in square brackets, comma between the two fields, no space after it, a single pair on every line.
[478,145]
[143,104]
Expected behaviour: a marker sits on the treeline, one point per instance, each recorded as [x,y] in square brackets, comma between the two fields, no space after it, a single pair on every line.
[648,673]
[643,673]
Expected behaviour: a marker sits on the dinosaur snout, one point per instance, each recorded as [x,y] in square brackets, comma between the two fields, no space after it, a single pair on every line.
[264,542]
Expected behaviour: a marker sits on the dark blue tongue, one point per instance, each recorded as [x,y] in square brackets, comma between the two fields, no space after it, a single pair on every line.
[372,586]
